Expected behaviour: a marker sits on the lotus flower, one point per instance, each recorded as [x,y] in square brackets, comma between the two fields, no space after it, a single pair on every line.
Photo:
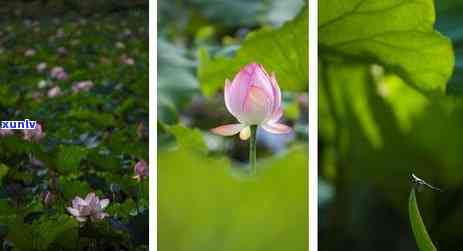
[82,86]
[253,98]
[54,92]
[91,208]
[58,73]
[141,170]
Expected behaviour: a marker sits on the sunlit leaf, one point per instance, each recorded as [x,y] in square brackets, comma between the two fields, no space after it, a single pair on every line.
[398,35]
[188,138]
[283,51]
[202,206]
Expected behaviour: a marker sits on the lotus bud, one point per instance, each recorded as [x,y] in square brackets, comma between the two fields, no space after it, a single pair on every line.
[141,170]
[253,98]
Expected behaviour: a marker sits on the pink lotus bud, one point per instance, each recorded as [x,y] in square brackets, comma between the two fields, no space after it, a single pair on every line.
[253,98]
[82,86]
[141,170]
[91,208]
[36,134]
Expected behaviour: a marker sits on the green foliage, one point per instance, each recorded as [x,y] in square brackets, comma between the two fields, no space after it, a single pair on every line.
[383,71]
[69,158]
[3,171]
[71,188]
[199,194]
[269,48]
[419,229]
[175,82]
[397,35]
[187,138]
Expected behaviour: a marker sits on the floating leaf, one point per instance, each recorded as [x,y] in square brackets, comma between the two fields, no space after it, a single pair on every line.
[69,157]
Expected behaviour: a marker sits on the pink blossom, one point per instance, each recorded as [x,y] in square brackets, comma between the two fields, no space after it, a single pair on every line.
[253,98]
[91,208]
[82,86]
[36,134]
[141,170]
[58,73]
[54,92]
[5,132]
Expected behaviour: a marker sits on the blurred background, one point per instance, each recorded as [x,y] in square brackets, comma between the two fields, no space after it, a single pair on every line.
[80,68]
[206,199]
[386,131]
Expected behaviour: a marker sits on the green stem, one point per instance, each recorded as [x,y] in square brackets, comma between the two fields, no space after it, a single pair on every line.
[140,196]
[252,149]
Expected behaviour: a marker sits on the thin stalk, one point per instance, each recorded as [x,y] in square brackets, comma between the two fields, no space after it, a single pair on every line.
[140,196]
[252,149]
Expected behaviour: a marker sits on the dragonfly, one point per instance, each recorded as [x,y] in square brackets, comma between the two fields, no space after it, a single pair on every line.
[420,184]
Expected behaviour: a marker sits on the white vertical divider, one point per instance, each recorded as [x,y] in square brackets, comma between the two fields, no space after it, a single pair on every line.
[313,125]
[153,179]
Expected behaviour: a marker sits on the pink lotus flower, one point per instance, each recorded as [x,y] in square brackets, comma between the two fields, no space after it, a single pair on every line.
[91,208]
[253,98]
[141,170]
[36,134]
[54,92]
[58,73]
[82,86]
